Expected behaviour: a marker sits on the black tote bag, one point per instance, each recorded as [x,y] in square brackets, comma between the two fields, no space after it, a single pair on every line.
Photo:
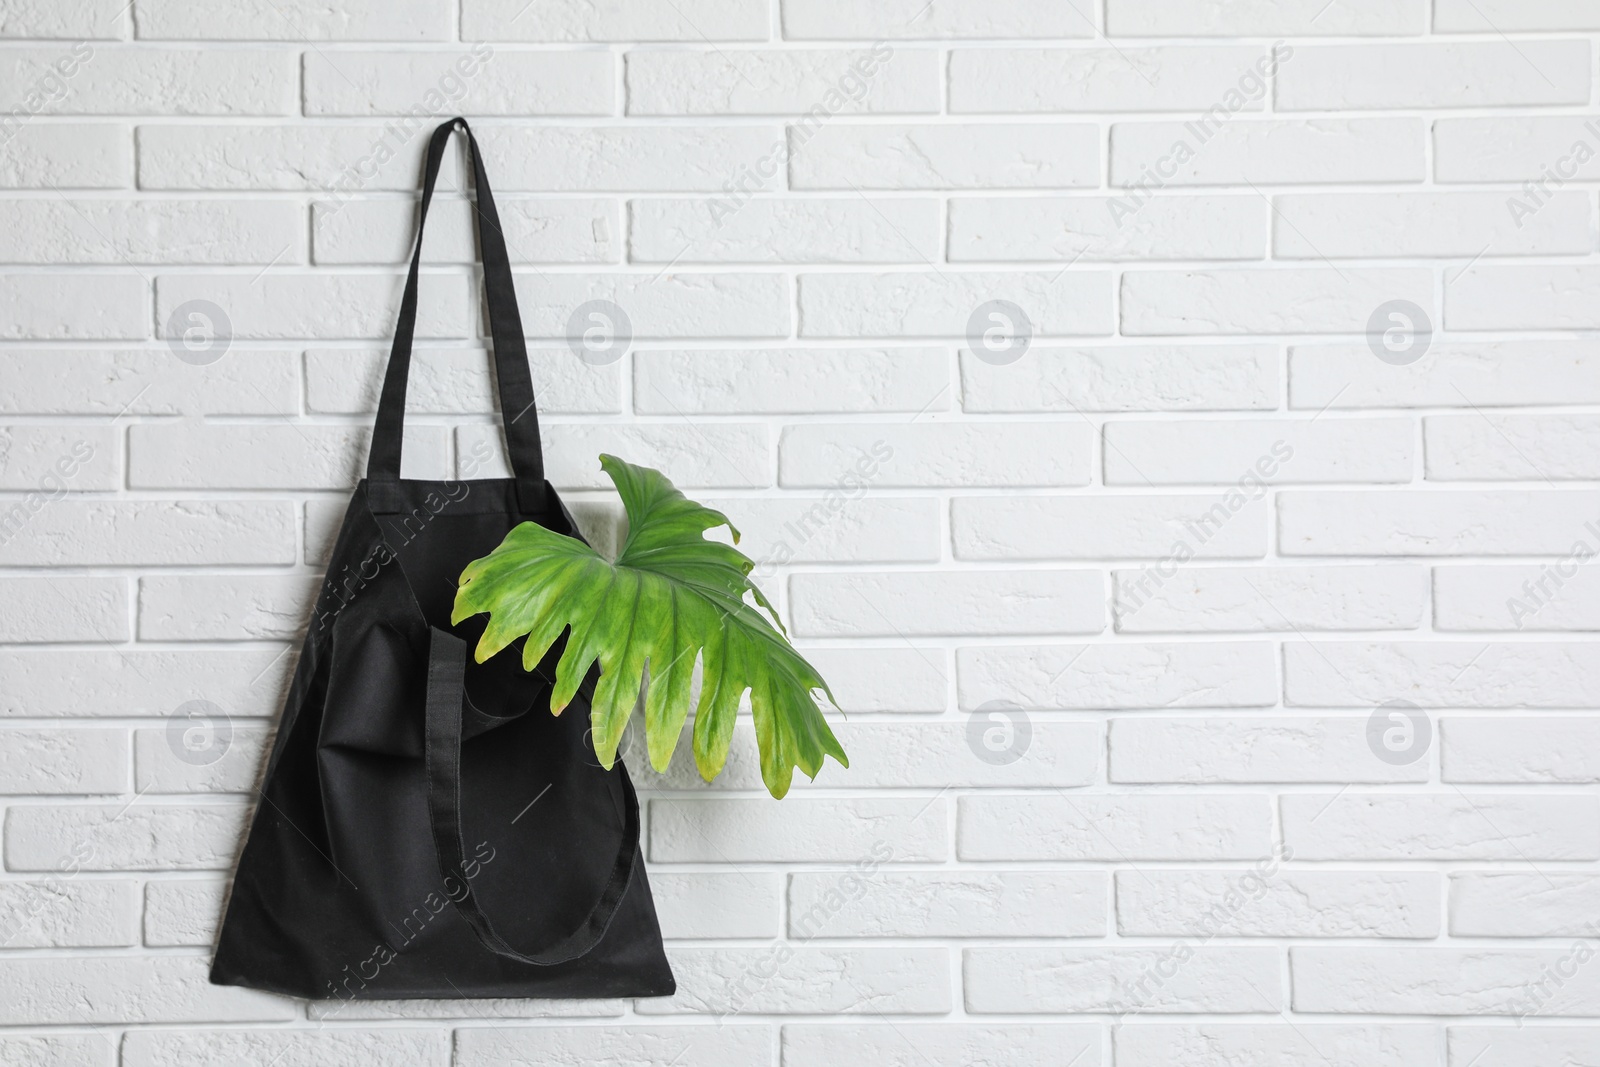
[426,827]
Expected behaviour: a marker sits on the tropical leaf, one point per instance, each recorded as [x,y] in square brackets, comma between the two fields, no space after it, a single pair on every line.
[671,598]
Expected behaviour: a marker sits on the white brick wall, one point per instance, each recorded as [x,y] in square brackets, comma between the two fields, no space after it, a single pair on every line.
[1221,645]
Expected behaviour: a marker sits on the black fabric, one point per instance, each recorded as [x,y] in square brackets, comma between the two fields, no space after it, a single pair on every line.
[426,827]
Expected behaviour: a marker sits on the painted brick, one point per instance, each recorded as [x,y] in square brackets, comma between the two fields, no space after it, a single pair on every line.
[1485,297]
[1266,151]
[1546,749]
[887,829]
[1441,826]
[1560,595]
[658,306]
[181,912]
[112,232]
[91,19]
[1380,597]
[1480,16]
[151,382]
[945,156]
[976,904]
[1392,225]
[1280,452]
[1211,675]
[455,381]
[246,607]
[730,81]
[1496,149]
[49,609]
[623,20]
[916,755]
[724,455]
[667,158]
[884,679]
[1095,228]
[346,158]
[1220,18]
[790,381]
[1213,750]
[816,529]
[127,989]
[120,837]
[123,80]
[297,20]
[1501,1046]
[717,904]
[536,229]
[458,1008]
[1120,828]
[944,304]
[901,1044]
[1283,1045]
[1512,447]
[136,682]
[1421,523]
[1480,74]
[935,603]
[1277,903]
[818,455]
[909,19]
[1291,300]
[1476,674]
[325,1048]
[57,760]
[1120,980]
[151,533]
[44,155]
[67,912]
[825,230]
[88,307]
[811,981]
[1125,378]
[1004,80]
[59,1050]
[471,80]
[1515,904]
[932,755]
[1097,526]
[1426,981]
[612,1046]
[1453,375]
[194,455]
[345,306]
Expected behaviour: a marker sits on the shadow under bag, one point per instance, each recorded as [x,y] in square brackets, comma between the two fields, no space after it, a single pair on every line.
[427,828]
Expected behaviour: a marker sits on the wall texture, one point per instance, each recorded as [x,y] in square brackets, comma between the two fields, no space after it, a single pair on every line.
[1173,424]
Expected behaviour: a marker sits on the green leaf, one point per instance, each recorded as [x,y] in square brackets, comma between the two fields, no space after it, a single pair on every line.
[671,597]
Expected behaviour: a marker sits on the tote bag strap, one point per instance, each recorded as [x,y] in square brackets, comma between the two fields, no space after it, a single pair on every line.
[447,660]
[510,351]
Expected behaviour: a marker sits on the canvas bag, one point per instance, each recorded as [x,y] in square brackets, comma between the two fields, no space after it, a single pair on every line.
[426,827]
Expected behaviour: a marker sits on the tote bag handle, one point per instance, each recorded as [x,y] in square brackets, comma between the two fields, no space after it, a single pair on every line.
[447,660]
[510,350]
